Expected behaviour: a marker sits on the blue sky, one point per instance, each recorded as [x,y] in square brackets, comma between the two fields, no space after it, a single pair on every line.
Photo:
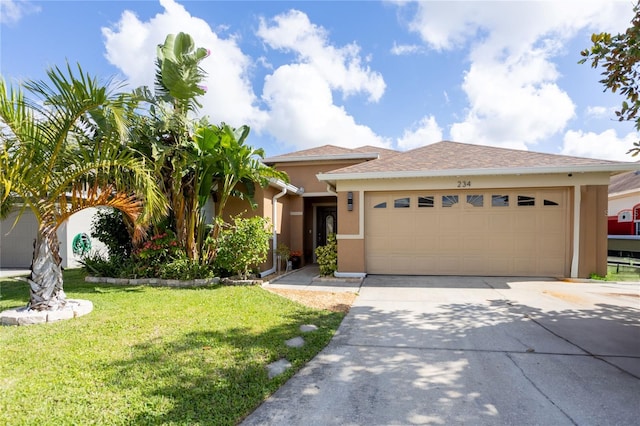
[397,74]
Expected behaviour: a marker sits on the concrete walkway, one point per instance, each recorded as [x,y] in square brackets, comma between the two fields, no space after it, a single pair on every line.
[14,272]
[474,351]
[308,278]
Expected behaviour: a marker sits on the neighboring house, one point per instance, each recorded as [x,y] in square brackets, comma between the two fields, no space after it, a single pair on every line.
[17,238]
[445,209]
[624,214]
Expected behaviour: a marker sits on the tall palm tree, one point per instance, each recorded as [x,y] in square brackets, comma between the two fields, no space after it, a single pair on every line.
[62,151]
[165,134]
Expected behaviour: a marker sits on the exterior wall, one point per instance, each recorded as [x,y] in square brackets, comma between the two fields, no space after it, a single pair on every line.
[287,225]
[295,221]
[303,175]
[475,182]
[78,223]
[351,254]
[593,231]
[16,243]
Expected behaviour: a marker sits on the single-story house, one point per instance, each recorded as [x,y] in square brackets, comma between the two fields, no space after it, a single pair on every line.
[444,209]
[17,239]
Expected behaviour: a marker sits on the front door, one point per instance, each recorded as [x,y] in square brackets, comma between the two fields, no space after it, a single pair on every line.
[326,223]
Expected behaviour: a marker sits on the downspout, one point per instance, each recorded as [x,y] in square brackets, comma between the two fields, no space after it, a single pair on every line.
[274,240]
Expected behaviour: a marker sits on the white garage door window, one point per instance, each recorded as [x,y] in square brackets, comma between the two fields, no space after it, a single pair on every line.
[489,232]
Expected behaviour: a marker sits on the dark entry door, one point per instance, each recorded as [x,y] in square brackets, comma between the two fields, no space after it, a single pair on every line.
[327,223]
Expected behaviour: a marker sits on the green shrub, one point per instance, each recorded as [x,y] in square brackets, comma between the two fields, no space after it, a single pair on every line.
[185,269]
[97,265]
[108,227]
[243,245]
[328,256]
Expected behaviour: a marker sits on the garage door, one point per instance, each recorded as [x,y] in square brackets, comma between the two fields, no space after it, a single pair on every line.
[16,240]
[488,232]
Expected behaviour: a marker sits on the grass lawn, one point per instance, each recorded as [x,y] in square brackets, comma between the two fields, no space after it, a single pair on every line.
[623,274]
[151,355]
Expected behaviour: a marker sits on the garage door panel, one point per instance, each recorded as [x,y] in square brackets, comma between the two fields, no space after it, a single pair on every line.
[448,265]
[521,236]
[449,245]
[472,263]
[450,223]
[499,244]
[474,244]
[479,221]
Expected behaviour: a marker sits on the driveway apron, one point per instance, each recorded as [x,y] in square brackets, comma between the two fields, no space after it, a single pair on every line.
[476,351]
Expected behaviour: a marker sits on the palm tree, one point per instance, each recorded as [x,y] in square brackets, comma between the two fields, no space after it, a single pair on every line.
[165,134]
[63,151]
[194,158]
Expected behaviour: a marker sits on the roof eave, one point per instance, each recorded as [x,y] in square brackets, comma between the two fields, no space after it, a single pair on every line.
[335,157]
[584,168]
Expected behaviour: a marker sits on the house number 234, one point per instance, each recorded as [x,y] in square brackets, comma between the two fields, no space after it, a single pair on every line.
[464,183]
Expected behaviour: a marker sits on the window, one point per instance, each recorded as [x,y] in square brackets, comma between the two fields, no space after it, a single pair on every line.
[475,200]
[402,203]
[382,205]
[425,201]
[449,200]
[550,203]
[525,200]
[500,200]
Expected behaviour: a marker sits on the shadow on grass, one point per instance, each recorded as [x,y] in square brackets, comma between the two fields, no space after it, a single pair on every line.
[213,377]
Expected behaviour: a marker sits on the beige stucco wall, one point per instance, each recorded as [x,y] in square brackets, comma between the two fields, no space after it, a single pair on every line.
[303,175]
[351,255]
[348,221]
[593,230]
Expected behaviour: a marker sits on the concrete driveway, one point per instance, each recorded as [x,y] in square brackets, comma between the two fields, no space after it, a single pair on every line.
[475,351]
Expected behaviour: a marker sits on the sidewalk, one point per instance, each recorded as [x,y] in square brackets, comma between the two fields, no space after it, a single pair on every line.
[14,272]
[308,278]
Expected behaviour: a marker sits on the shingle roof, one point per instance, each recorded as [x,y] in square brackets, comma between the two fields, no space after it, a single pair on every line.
[383,152]
[624,182]
[328,151]
[460,156]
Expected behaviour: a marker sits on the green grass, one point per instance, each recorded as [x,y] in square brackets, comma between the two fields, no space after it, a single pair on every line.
[623,274]
[151,355]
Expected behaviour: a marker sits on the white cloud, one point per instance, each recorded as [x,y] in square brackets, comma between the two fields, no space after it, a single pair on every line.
[341,68]
[508,108]
[511,83]
[12,11]
[302,113]
[601,112]
[405,49]
[606,145]
[423,133]
[131,46]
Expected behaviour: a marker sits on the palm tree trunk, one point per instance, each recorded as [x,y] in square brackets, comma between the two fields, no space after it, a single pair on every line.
[46,274]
